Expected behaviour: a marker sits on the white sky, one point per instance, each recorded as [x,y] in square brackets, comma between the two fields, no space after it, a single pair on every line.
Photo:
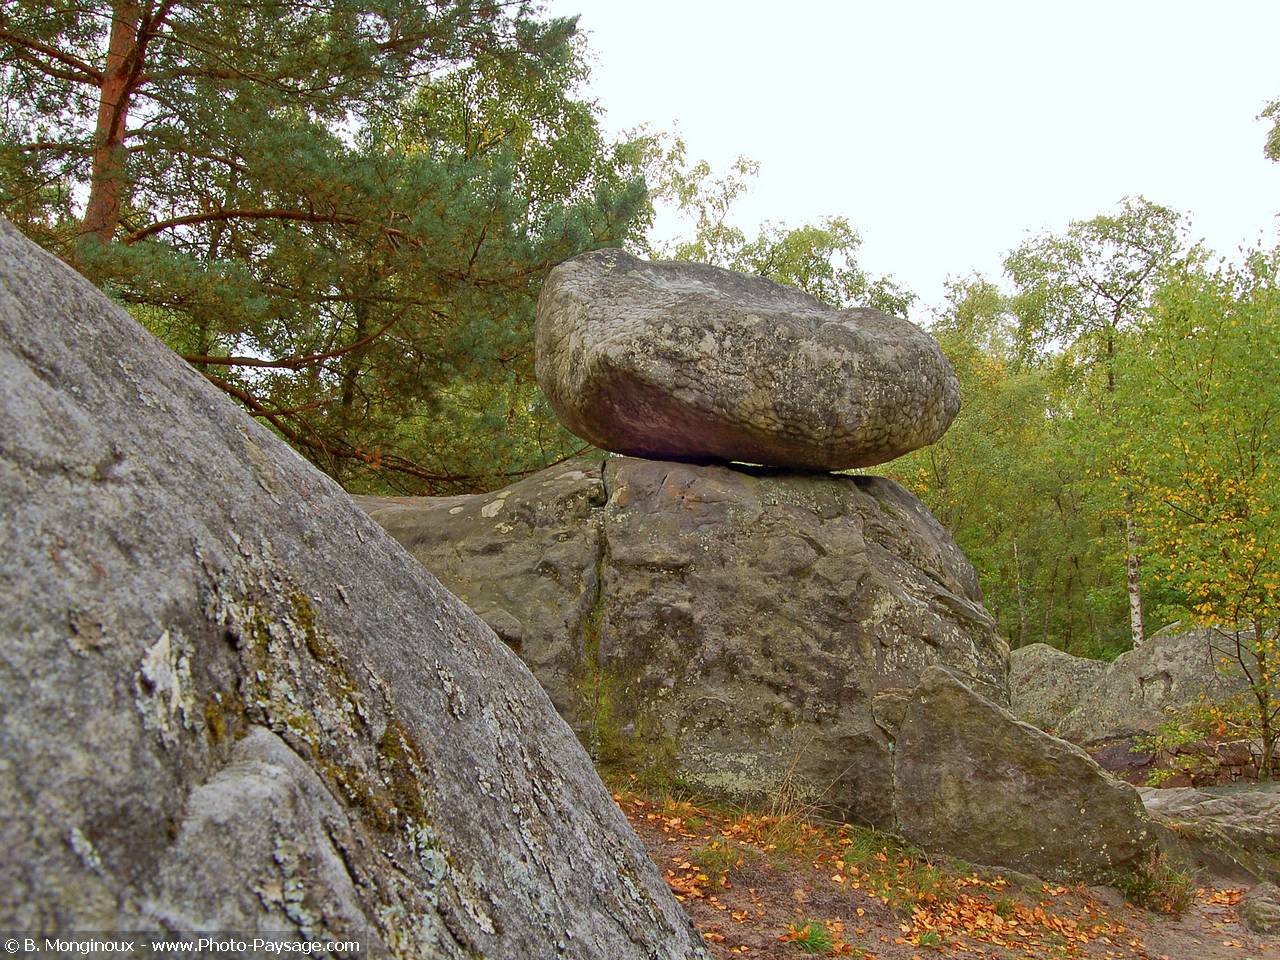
[946,131]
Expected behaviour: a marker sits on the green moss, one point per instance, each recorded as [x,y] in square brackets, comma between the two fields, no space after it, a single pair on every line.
[304,615]
[314,700]
[401,761]
[216,717]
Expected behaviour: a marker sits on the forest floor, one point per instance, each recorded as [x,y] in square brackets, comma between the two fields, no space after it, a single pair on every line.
[780,886]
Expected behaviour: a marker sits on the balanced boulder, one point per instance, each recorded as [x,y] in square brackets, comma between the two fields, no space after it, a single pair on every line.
[740,627]
[684,361]
[231,702]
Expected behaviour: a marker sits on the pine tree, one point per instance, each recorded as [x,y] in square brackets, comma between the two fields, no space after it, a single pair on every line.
[296,197]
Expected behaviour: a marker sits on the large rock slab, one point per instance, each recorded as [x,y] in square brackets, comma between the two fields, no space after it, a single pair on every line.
[1046,684]
[974,782]
[684,361]
[1231,831]
[1173,668]
[730,626]
[231,702]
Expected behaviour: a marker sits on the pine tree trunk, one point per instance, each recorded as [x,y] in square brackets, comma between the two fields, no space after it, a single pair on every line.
[1133,571]
[107,180]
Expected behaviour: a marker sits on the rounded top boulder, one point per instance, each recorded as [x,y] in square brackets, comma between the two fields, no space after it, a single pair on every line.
[684,361]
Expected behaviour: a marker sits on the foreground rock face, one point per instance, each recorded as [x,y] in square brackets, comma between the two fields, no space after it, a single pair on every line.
[232,702]
[974,782]
[732,624]
[1173,668]
[1230,831]
[1046,684]
[683,361]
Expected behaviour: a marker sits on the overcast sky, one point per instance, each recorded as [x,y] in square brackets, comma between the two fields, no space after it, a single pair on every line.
[946,131]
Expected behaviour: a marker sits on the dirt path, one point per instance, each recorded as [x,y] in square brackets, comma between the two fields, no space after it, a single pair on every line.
[770,887]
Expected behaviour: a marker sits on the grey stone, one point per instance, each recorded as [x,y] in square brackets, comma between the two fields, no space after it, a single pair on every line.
[974,782]
[1260,908]
[683,361]
[230,699]
[746,629]
[1046,684]
[1231,831]
[1173,668]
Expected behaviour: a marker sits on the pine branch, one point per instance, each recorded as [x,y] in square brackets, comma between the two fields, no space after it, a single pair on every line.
[266,213]
[298,362]
[23,47]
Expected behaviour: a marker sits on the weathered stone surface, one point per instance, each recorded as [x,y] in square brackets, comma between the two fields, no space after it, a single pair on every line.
[1260,908]
[527,559]
[1232,831]
[683,361]
[230,701]
[973,781]
[1046,684]
[1173,668]
[735,623]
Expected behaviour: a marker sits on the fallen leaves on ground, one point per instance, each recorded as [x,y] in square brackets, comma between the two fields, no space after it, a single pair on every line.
[779,886]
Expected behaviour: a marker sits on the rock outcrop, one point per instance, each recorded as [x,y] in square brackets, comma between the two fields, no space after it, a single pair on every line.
[1046,684]
[1171,669]
[1231,831]
[683,361]
[736,624]
[231,702]
[1260,908]
[972,781]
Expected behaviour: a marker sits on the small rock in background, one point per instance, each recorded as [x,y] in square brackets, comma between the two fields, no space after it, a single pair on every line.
[1260,908]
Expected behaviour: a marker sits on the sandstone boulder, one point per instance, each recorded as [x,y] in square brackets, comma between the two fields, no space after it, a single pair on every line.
[1046,684]
[1230,831]
[1260,908]
[683,361]
[1173,668]
[973,781]
[734,625]
[231,702]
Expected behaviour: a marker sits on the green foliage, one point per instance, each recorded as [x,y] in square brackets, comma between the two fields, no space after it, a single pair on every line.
[1155,884]
[721,857]
[340,214]
[1197,421]
[811,936]
[819,258]
[1032,544]
[1081,289]
[1272,146]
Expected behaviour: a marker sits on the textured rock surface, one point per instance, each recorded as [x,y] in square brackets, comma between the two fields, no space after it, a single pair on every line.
[1260,908]
[682,361]
[230,701]
[1046,684]
[974,782]
[1232,831]
[1172,669]
[734,623]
